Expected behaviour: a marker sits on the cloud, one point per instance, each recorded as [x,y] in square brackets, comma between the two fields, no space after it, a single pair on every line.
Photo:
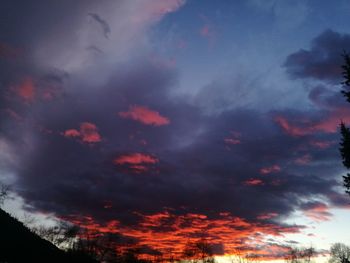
[136,162]
[72,133]
[286,14]
[271,169]
[253,182]
[233,139]
[322,61]
[9,52]
[304,160]
[26,90]
[135,158]
[88,133]
[317,211]
[313,123]
[197,184]
[322,144]
[144,115]
[105,27]
[166,230]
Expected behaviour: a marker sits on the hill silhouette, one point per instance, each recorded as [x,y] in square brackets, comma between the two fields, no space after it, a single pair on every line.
[19,244]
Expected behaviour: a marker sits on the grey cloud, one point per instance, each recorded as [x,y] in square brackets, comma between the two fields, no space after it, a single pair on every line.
[105,27]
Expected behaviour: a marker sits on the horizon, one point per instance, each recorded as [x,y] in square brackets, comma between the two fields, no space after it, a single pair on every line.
[167,121]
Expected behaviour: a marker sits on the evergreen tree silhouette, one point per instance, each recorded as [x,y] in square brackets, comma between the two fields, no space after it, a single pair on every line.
[345,131]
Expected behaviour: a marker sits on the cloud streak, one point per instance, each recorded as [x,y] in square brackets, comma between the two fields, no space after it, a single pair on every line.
[144,115]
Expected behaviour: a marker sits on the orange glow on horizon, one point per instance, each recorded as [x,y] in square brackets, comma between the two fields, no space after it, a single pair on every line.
[169,233]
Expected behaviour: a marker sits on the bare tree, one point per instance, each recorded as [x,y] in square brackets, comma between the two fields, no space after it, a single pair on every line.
[63,235]
[199,251]
[238,258]
[4,193]
[339,253]
[300,255]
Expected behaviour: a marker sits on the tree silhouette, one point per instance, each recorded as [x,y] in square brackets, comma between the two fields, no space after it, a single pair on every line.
[339,253]
[300,255]
[199,251]
[345,131]
[4,192]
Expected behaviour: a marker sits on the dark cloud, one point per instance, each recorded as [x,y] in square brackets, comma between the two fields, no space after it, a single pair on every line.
[323,60]
[196,172]
[105,27]
[184,171]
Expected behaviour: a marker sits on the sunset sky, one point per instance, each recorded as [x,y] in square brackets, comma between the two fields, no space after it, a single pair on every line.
[164,121]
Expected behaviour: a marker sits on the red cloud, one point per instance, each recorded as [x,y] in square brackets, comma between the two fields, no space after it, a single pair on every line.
[88,133]
[169,233]
[13,114]
[144,115]
[8,52]
[329,124]
[26,90]
[136,162]
[72,133]
[232,141]
[303,160]
[318,212]
[267,216]
[272,169]
[135,158]
[253,182]
[233,138]
[205,31]
[29,90]
[322,144]
[291,129]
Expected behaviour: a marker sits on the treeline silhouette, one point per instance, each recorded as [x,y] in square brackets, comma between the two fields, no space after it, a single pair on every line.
[20,244]
[69,243]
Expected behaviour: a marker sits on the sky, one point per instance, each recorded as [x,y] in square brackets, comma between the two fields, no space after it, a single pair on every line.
[165,121]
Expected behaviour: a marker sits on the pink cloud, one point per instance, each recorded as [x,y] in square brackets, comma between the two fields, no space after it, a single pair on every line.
[253,182]
[72,133]
[163,62]
[26,90]
[318,212]
[267,216]
[329,124]
[291,129]
[13,114]
[88,133]
[205,32]
[166,6]
[303,160]
[144,115]
[136,158]
[321,144]
[136,162]
[272,169]
[9,52]
[232,141]
[181,44]
[151,11]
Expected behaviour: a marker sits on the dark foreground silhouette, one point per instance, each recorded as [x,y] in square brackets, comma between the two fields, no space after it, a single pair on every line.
[19,244]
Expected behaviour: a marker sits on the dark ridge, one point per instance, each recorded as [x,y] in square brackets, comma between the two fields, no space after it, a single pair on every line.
[20,244]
